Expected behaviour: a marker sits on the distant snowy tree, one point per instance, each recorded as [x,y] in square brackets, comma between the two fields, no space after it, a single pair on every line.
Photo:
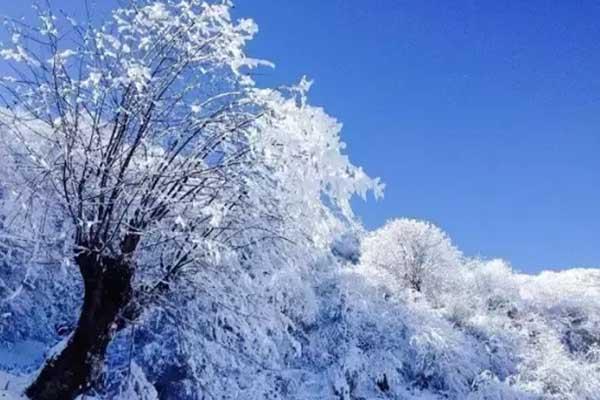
[142,152]
[413,254]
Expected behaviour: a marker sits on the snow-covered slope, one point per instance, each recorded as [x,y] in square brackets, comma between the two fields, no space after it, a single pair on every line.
[342,329]
[11,386]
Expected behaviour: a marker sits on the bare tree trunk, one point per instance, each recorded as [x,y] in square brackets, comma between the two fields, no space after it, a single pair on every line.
[107,283]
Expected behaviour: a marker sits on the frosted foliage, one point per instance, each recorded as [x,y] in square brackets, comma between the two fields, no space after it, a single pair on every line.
[489,333]
[137,386]
[412,254]
[147,139]
[326,330]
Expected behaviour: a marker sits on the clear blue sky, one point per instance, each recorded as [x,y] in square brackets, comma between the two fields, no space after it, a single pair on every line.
[481,116]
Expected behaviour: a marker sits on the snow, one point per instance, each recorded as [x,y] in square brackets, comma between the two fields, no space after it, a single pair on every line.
[138,75]
[12,386]
[254,277]
[21,355]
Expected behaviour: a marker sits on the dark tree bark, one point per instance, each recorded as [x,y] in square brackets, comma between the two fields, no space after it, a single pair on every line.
[108,291]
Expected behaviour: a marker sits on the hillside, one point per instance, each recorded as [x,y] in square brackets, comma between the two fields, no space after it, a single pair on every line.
[347,329]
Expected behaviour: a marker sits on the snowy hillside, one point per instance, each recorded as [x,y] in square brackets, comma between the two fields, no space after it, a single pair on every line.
[347,330]
[170,230]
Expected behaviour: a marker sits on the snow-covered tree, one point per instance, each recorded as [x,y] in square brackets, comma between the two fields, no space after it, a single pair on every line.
[412,254]
[142,152]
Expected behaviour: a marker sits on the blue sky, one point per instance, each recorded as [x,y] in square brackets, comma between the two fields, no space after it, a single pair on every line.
[483,117]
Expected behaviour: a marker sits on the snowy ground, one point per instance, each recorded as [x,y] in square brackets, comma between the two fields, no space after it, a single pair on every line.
[22,356]
[11,386]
